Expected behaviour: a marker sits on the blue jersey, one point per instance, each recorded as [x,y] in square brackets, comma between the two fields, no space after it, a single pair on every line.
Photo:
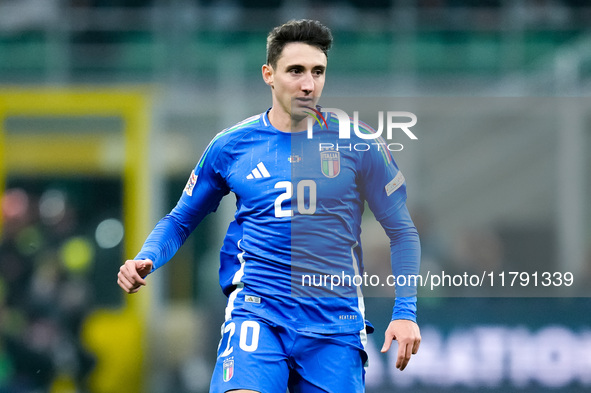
[298,220]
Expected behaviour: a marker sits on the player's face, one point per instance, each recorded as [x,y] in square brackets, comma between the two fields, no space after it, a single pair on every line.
[298,75]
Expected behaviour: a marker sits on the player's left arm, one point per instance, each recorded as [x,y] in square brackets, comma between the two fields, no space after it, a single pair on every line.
[405,254]
[384,188]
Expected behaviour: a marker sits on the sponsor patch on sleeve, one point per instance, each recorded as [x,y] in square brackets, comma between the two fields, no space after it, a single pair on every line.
[191,183]
[395,183]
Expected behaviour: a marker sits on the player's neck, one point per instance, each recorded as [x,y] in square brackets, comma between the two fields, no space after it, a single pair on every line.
[285,123]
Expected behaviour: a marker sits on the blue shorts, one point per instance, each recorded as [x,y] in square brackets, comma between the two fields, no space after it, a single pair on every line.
[257,355]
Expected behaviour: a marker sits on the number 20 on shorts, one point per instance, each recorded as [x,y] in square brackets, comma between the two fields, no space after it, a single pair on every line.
[246,345]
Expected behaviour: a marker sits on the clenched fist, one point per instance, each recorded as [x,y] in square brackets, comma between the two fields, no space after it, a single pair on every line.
[132,274]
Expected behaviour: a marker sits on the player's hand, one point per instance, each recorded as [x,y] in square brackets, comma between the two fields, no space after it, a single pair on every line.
[132,274]
[408,335]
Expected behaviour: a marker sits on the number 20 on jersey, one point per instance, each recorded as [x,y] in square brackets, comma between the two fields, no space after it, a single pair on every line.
[305,197]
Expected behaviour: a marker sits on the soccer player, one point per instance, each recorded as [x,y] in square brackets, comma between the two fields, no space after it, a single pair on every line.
[298,216]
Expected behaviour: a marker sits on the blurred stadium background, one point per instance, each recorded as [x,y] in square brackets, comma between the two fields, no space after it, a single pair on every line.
[106,105]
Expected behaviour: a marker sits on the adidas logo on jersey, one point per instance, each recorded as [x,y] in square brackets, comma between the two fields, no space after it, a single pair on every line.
[259,172]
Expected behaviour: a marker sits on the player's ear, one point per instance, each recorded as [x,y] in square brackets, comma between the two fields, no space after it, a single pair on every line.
[268,72]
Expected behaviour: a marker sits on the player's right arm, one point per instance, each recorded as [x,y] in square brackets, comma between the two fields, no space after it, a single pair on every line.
[202,195]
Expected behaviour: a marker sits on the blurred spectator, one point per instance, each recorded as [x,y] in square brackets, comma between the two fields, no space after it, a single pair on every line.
[44,293]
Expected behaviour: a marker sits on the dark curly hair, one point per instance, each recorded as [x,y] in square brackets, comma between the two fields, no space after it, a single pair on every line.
[308,31]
